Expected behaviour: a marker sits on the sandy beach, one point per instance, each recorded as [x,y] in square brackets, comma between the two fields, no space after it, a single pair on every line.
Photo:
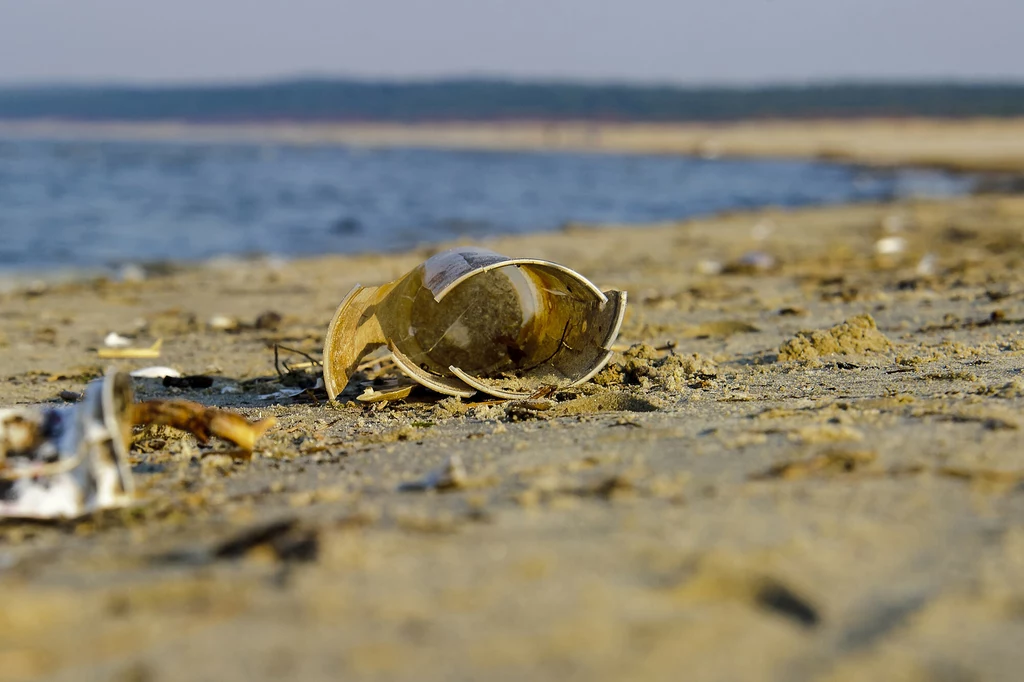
[804,463]
[988,145]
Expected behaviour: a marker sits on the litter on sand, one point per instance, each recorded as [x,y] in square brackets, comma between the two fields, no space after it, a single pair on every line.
[68,461]
[890,246]
[131,353]
[155,372]
[115,340]
[469,320]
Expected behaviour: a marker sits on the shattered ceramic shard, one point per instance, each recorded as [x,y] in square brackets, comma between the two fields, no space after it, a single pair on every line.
[470,320]
[68,461]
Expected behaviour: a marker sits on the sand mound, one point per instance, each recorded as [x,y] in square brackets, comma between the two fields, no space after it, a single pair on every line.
[643,365]
[856,336]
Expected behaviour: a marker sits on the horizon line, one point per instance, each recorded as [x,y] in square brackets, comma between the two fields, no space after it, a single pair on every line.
[508,80]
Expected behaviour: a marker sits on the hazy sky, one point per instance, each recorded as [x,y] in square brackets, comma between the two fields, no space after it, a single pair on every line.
[710,41]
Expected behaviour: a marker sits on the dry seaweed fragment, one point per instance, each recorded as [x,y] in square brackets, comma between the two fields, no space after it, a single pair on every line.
[201,421]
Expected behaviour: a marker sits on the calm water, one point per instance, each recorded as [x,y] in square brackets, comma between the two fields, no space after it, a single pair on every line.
[95,204]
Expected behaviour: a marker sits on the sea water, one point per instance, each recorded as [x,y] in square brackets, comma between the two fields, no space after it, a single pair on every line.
[91,204]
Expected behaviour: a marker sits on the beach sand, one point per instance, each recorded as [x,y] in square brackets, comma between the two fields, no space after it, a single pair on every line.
[987,145]
[822,480]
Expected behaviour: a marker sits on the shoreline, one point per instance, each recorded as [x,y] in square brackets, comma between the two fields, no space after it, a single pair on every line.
[890,184]
[14,281]
[974,145]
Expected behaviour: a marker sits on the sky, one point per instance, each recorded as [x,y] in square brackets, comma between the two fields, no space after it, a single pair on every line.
[663,41]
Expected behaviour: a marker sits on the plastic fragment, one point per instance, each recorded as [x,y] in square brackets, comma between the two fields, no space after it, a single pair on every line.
[68,461]
[889,246]
[65,462]
[131,353]
[222,323]
[115,340]
[155,372]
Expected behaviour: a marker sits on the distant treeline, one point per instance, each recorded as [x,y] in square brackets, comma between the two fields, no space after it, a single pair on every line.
[491,100]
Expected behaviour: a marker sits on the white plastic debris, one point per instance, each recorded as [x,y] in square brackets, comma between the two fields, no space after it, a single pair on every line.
[131,353]
[68,461]
[155,372]
[222,323]
[890,246]
[115,340]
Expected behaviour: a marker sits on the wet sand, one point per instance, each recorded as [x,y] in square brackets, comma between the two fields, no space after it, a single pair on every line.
[821,480]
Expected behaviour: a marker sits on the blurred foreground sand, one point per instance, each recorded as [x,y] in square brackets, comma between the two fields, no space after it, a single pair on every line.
[756,512]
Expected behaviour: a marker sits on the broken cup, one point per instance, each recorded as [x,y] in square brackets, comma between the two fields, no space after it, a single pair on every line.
[469,320]
[68,461]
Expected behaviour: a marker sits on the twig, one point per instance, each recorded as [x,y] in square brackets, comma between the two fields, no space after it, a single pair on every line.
[202,421]
[312,362]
